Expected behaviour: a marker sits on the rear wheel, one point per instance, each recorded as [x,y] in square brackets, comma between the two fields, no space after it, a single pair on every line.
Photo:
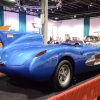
[63,75]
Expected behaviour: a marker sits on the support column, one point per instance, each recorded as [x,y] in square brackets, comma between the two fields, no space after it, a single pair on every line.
[86,26]
[1,16]
[22,22]
[44,19]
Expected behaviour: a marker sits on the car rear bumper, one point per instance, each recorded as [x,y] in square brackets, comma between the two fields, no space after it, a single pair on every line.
[15,70]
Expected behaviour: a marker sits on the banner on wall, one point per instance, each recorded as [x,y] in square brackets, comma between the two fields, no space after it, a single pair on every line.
[36,27]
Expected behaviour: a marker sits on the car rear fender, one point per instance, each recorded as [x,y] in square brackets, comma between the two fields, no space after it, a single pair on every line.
[17,57]
[45,65]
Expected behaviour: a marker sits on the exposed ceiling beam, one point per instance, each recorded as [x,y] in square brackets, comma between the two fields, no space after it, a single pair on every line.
[88,2]
[78,14]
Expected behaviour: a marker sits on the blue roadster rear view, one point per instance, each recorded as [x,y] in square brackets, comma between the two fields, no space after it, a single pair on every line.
[24,54]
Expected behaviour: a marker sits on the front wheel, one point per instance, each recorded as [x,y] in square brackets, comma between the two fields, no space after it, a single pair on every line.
[63,75]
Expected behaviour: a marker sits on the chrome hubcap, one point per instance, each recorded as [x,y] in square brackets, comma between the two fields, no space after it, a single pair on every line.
[64,75]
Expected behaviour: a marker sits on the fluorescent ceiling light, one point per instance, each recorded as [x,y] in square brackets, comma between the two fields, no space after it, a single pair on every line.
[10,0]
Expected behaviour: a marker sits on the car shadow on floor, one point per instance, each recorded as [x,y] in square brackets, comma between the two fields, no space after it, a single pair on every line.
[31,88]
[79,79]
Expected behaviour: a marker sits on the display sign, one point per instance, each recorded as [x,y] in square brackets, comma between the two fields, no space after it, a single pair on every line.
[9,35]
[6,27]
[36,25]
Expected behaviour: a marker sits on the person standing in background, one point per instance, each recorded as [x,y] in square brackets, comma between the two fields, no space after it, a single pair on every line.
[51,39]
[67,37]
[57,38]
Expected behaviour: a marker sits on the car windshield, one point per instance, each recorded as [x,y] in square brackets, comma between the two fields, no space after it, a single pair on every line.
[75,41]
[74,38]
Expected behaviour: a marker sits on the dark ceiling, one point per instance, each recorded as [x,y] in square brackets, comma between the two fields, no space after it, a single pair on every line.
[59,10]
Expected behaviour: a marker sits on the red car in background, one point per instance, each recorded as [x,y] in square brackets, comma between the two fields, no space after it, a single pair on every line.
[76,40]
[91,39]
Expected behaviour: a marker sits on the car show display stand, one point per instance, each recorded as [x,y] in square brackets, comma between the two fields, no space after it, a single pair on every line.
[89,90]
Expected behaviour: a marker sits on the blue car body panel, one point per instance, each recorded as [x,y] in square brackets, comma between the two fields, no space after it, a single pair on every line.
[19,51]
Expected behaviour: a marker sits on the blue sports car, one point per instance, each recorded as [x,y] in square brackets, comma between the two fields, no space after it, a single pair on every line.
[24,54]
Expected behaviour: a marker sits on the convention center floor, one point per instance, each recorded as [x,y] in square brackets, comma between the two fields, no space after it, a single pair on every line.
[26,89]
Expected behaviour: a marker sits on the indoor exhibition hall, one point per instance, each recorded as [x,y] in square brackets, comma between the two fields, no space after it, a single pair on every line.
[49,49]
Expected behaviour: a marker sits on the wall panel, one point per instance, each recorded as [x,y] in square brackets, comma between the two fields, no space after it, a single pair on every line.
[94,25]
[73,27]
[12,19]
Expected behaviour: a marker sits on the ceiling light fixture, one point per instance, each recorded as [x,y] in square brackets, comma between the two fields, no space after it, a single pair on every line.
[56,18]
[74,16]
[90,4]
